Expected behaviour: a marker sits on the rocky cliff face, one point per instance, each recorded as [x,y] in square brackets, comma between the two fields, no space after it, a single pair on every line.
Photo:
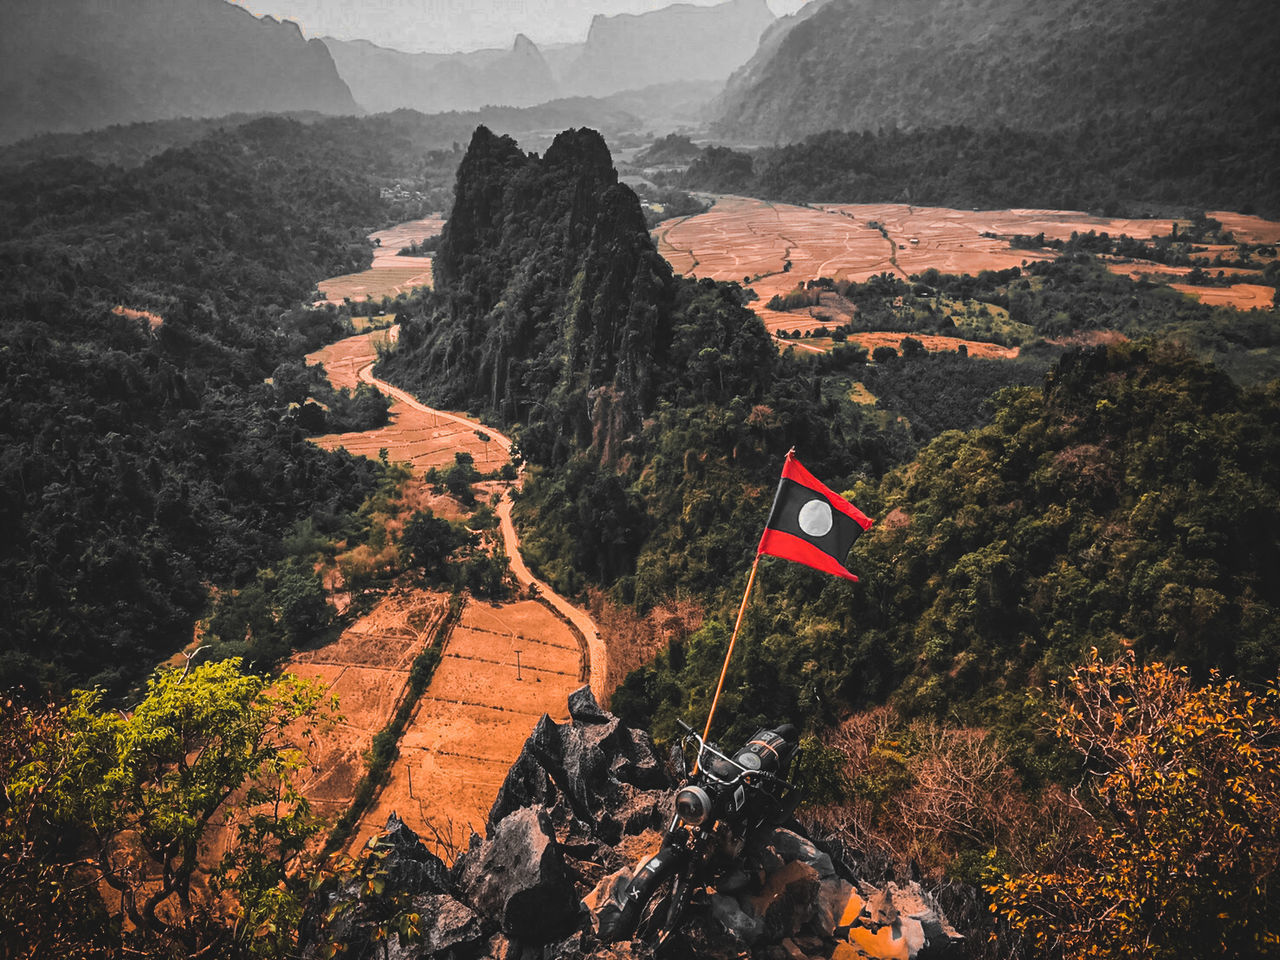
[581,805]
[867,64]
[382,79]
[72,65]
[550,293]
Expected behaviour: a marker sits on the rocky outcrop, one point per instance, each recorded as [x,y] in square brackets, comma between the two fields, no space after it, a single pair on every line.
[583,803]
[547,287]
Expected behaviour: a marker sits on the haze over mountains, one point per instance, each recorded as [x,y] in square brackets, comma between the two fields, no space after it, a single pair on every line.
[448,26]
[864,64]
[71,65]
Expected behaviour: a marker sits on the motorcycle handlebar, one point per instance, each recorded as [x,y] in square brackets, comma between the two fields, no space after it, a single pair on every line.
[748,775]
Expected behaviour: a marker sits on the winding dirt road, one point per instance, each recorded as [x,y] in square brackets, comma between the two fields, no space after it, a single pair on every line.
[597,655]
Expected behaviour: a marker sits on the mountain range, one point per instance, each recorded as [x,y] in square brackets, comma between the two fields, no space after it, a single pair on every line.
[72,65]
[382,79]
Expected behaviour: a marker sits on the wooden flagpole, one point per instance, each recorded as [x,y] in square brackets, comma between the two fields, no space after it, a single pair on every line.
[732,640]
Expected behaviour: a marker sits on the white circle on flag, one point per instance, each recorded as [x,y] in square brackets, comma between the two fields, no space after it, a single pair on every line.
[815,518]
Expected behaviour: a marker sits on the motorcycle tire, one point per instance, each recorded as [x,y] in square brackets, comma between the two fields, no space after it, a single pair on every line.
[651,907]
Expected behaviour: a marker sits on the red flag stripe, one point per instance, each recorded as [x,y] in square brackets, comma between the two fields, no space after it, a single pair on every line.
[775,543]
[794,470]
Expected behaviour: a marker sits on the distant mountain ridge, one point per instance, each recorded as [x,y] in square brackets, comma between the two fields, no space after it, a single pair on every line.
[382,79]
[680,43]
[867,64]
[73,65]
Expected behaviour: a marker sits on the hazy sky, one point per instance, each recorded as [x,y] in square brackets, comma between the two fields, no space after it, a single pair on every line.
[442,25]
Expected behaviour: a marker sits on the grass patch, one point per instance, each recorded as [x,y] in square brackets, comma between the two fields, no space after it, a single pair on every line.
[859,394]
[976,320]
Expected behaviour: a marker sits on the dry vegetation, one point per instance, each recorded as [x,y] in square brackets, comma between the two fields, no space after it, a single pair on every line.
[635,639]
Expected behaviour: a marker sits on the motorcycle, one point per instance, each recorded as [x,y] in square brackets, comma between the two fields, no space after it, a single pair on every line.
[721,802]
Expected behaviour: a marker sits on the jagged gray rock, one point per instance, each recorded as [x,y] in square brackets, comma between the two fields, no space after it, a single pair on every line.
[409,865]
[517,877]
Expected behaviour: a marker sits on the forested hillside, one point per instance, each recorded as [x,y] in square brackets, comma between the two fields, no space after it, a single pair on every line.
[1132,169]
[143,456]
[868,65]
[1129,504]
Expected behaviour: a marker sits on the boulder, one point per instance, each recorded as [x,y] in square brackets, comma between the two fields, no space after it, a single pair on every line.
[446,924]
[517,877]
[737,922]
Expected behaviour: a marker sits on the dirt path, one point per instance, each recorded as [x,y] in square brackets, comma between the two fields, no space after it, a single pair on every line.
[597,655]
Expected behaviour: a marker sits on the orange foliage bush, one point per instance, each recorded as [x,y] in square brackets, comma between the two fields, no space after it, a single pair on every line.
[1186,837]
[634,639]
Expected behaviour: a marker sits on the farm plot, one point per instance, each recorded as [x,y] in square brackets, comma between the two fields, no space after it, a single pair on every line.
[367,669]
[773,247]
[1248,229]
[390,273]
[469,726]
[1242,295]
[422,439]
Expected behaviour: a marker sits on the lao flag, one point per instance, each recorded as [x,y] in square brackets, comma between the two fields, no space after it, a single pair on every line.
[810,523]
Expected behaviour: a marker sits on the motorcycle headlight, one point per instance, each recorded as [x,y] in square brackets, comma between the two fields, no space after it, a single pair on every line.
[693,806]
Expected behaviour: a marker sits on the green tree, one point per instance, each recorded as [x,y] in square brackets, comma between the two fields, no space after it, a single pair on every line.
[459,477]
[134,796]
[428,541]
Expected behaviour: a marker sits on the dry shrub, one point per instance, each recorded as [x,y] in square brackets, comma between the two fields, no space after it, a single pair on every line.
[930,794]
[635,639]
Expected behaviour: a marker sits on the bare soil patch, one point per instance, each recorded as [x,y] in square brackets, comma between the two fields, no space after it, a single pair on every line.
[1242,296]
[1247,228]
[471,723]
